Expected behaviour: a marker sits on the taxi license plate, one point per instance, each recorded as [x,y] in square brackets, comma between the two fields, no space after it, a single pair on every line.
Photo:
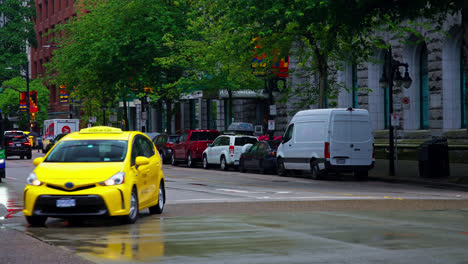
[66,203]
[340,161]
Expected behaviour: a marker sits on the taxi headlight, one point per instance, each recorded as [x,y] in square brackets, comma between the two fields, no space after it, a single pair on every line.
[118,178]
[32,180]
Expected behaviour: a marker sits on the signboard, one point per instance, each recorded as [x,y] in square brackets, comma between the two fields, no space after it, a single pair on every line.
[406,102]
[271,125]
[89,125]
[92,119]
[273,110]
[66,129]
[395,120]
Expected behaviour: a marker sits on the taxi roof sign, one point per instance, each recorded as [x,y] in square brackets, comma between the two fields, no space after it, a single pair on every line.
[101,129]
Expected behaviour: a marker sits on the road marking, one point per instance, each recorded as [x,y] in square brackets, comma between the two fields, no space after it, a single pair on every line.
[237,191]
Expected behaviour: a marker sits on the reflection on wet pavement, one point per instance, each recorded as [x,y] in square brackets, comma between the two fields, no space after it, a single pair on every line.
[306,237]
[10,203]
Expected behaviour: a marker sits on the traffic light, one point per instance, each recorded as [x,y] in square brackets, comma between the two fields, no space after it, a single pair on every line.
[23,102]
[33,102]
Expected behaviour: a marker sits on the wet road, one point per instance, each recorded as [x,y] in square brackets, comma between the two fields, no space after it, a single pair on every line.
[227,217]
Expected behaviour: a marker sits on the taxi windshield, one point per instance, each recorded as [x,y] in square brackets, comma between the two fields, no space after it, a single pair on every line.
[88,151]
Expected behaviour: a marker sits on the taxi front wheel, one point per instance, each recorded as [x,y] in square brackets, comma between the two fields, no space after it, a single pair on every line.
[36,220]
[158,209]
[133,211]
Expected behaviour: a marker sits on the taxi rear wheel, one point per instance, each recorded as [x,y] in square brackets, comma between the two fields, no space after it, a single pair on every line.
[36,220]
[158,209]
[133,210]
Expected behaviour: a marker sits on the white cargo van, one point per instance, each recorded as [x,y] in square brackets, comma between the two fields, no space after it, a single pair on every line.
[327,140]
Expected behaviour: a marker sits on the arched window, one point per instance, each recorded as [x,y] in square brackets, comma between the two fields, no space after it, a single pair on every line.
[423,89]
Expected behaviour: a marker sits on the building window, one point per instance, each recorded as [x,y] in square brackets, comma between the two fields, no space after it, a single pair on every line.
[39,13]
[354,86]
[211,113]
[424,89]
[46,9]
[52,5]
[227,118]
[462,92]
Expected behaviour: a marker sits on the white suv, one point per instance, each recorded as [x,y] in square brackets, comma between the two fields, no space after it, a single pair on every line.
[225,150]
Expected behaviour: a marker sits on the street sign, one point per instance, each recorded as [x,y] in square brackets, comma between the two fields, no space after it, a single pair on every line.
[395,120]
[113,118]
[271,125]
[273,110]
[92,119]
[66,129]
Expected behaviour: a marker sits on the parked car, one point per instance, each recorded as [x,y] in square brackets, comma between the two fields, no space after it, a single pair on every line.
[165,145]
[98,171]
[18,146]
[189,147]
[260,157]
[327,140]
[225,150]
[53,142]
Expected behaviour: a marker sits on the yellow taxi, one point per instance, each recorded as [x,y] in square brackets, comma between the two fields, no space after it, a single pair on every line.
[98,171]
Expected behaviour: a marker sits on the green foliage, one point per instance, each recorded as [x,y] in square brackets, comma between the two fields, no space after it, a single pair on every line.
[120,47]
[16,30]
[9,100]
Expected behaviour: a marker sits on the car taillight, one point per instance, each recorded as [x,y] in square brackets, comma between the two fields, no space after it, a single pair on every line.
[273,153]
[373,151]
[231,150]
[326,151]
[10,143]
[27,143]
[169,145]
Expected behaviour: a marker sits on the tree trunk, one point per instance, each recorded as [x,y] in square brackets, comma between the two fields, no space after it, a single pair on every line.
[322,70]
[169,116]
[229,107]
[125,116]
[465,54]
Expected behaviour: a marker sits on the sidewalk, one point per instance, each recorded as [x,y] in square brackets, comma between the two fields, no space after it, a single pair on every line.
[407,171]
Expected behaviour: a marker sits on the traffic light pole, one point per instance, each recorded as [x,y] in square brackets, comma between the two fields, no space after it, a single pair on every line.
[28,105]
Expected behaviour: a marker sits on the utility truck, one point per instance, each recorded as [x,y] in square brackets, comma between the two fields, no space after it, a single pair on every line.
[54,127]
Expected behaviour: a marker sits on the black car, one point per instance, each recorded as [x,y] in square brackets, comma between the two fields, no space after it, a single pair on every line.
[164,144]
[260,157]
[53,142]
[18,146]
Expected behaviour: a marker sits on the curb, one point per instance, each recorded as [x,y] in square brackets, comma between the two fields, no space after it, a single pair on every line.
[427,183]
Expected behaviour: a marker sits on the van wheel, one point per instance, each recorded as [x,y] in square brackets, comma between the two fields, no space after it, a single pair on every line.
[205,162]
[223,164]
[361,175]
[281,170]
[316,174]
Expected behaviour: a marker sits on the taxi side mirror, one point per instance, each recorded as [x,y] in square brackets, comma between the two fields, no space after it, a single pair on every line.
[38,161]
[140,160]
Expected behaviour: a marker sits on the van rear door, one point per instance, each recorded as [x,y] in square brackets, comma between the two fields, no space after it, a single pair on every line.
[351,140]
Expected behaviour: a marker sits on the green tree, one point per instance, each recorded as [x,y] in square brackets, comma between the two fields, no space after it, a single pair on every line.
[16,33]
[116,48]
[311,31]
[9,100]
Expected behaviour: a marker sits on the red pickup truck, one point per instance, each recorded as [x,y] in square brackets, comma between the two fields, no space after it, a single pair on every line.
[191,144]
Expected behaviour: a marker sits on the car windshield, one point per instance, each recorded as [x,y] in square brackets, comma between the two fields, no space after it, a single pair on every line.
[17,139]
[200,136]
[241,141]
[172,138]
[88,151]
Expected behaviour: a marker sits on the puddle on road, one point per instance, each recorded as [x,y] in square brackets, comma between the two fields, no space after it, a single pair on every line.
[11,204]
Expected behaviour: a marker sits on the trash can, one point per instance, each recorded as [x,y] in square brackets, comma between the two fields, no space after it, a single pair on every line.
[434,158]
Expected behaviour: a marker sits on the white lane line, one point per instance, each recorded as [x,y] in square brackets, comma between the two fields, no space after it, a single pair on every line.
[237,191]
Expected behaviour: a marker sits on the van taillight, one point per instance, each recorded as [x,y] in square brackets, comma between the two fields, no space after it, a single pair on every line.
[327,150]
[373,151]
[231,150]
[169,145]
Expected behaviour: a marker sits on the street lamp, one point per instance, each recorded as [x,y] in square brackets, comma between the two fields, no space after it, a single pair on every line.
[271,91]
[391,74]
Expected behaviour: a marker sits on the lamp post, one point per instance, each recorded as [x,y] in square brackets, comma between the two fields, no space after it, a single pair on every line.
[390,74]
[28,105]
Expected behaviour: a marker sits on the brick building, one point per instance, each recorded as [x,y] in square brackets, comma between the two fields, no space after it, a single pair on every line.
[49,14]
